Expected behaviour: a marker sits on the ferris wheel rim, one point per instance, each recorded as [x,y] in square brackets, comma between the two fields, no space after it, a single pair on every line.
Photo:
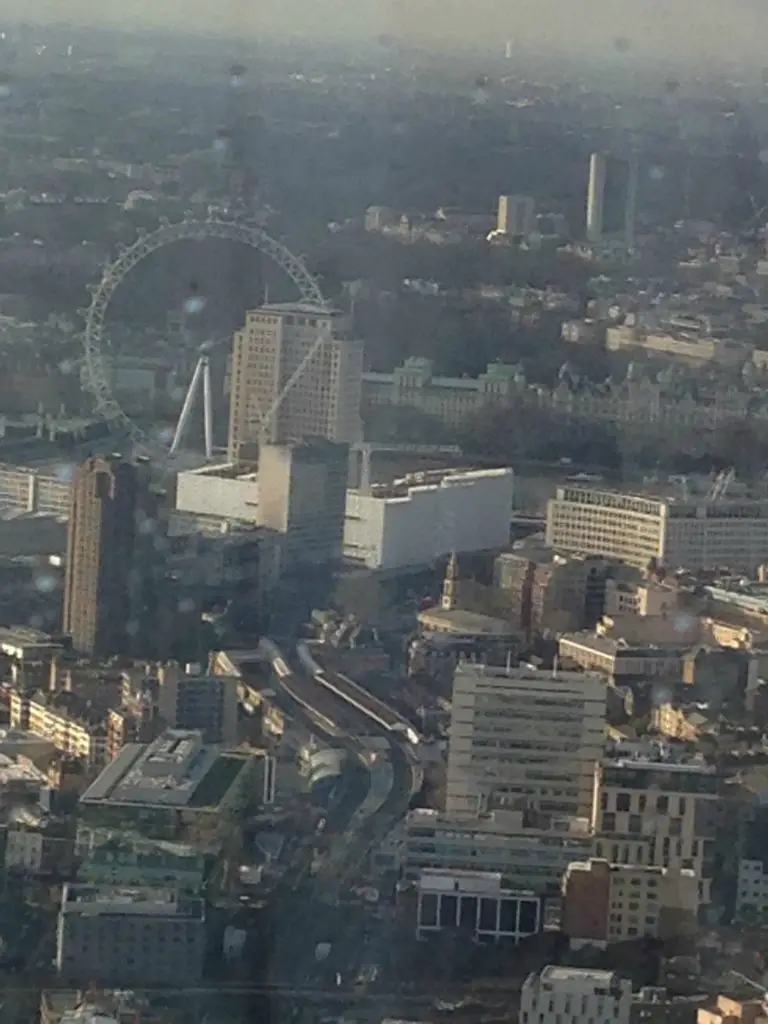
[113,273]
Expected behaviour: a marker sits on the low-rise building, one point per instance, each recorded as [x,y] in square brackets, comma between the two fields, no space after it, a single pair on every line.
[425,516]
[477,903]
[178,779]
[72,1006]
[123,859]
[38,845]
[449,399]
[646,598]
[620,660]
[575,995]
[638,530]
[22,782]
[675,722]
[752,872]
[691,346]
[69,722]
[123,937]
[605,903]
[731,1011]
[188,698]
[529,854]
[550,591]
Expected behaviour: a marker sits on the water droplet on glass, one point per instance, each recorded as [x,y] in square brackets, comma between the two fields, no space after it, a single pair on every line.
[177,394]
[66,366]
[64,472]
[656,173]
[36,621]
[762,156]
[219,145]
[45,583]
[661,694]
[132,627]
[165,434]
[194,304]
[186,605]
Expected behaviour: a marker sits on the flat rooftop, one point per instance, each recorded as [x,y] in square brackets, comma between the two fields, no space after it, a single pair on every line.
[226,471]
[415,484]
[15,640]
[459,621]
[175,771]
[485,883]
[305,308]
[13,772]
[578,975]
[96,900]
[662,766]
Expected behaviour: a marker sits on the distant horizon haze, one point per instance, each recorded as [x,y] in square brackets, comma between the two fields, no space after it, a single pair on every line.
[724,31]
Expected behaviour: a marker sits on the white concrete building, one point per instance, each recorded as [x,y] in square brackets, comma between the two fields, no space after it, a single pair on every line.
[529,855]
[225,490]
[414,524]
[598,172]
[636,529]
[575,995]
[524,737]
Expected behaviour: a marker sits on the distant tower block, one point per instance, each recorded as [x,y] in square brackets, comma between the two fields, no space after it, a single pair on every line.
[598,168]
[630,206]
[516,216]
[509,50]
[450,596]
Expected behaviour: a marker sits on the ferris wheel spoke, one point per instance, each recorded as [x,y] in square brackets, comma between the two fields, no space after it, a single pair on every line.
[129,256]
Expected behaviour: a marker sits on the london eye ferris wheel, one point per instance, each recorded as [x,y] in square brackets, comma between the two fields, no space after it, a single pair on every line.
[236,228]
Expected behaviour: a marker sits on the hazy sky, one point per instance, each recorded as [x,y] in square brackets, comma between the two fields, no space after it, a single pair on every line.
[722,28]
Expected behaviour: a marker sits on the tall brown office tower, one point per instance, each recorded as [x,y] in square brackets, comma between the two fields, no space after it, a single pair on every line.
[107,591]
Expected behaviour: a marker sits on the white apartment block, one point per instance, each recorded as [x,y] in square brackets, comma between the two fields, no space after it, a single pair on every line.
[670,809]
[414,524]
[80,737]
[224,489]
[324,398]
[575,995]
[521,737]
[528,856]
[636,530]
